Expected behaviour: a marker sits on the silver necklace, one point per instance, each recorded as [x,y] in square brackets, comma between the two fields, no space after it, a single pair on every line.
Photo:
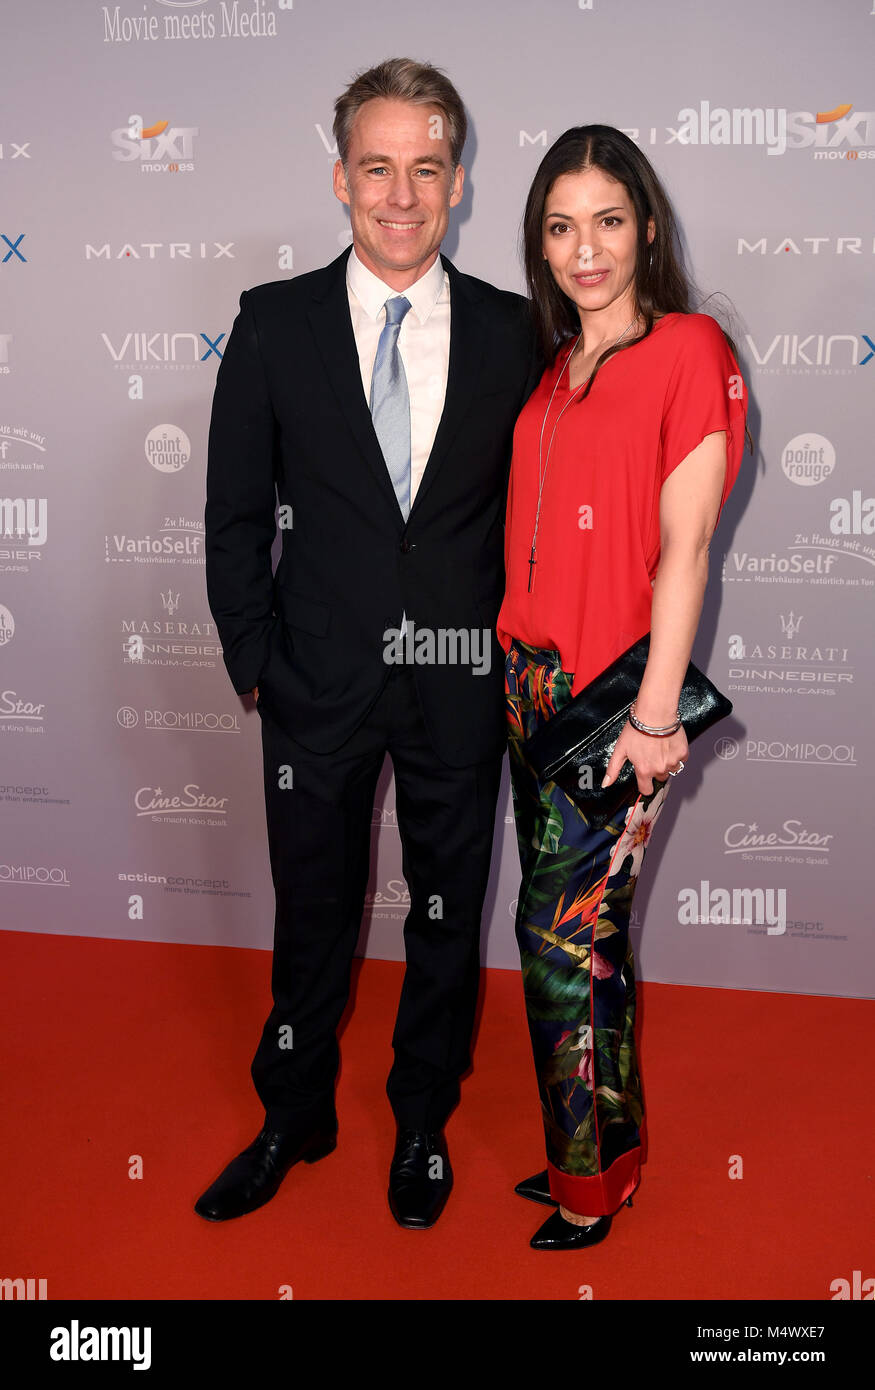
[542,469]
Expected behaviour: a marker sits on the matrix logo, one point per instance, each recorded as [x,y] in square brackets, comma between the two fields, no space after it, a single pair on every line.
[160,148]
[161,250]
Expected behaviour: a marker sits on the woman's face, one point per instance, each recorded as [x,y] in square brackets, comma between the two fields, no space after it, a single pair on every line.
[590,239]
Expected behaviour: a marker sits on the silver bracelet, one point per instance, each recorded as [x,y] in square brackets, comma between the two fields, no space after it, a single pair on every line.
[658,731]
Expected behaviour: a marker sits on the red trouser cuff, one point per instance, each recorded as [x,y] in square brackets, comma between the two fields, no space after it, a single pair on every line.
[601,1194]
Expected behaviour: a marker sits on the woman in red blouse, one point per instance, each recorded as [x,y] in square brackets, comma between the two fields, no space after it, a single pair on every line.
[623,458]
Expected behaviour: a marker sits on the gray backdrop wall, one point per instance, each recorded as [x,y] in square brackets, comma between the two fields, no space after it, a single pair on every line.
[130,787]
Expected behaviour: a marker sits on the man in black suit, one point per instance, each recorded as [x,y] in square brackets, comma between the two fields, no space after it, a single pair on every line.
[376,400]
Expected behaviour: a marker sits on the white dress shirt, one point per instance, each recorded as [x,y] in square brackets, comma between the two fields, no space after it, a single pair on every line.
[423,342]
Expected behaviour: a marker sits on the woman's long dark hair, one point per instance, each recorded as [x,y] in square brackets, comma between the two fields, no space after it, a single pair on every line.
[660,284]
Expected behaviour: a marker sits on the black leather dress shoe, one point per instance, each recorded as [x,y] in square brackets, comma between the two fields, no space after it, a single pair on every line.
[537,1189]
[559,1234]
[254,1176]
[420,1178]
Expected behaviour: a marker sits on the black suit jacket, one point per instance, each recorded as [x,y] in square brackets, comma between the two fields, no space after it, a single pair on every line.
[290,421]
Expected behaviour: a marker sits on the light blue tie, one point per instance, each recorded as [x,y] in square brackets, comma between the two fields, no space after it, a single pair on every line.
[390,403]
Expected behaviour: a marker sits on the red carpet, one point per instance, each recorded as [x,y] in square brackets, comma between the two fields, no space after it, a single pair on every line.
[114,1049]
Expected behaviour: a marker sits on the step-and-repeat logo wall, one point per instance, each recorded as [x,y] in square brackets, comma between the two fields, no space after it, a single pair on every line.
[176,152]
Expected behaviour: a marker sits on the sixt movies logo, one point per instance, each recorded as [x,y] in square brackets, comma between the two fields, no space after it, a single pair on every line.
[835,134]
[160,148]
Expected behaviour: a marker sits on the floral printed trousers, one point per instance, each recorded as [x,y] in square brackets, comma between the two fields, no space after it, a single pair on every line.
[572,927]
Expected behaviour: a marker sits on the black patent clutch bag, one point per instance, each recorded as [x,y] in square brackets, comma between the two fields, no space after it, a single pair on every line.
[574,747]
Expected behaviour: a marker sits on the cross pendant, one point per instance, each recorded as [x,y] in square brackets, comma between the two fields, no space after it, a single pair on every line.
[532,563]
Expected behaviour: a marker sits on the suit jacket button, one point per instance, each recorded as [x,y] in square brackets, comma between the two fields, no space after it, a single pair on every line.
[406,547]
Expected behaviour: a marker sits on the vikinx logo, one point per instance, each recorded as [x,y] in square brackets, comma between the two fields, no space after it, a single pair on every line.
[163,347]
[160,148]
[12,247]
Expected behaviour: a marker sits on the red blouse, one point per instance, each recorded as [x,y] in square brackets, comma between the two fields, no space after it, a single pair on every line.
[598,537]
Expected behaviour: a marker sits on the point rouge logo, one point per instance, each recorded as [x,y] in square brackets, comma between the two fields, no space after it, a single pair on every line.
[7,626]
[167,448]
[807,459]
[160,148]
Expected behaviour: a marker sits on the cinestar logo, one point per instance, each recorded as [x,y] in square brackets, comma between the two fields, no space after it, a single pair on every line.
[11,707]
[741,838]
[813,350]
[161,250]
[808,245]
[159,147]
[186,348]
[156,804]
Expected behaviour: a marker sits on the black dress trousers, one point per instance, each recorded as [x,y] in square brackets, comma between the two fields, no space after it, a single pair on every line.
[319,814]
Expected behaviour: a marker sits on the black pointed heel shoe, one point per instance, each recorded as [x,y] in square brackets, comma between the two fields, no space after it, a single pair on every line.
[559,1234]
[537,1189]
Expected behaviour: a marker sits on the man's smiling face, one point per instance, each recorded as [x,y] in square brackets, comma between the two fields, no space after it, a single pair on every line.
[399,185]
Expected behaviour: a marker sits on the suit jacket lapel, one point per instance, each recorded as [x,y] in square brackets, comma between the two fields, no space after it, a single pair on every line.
[332,328]
[463,373]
